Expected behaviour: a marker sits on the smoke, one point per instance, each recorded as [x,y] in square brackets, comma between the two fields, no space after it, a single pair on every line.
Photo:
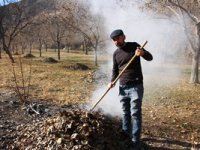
[165,41]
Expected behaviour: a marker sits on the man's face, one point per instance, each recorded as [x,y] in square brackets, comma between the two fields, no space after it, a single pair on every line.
[119,41]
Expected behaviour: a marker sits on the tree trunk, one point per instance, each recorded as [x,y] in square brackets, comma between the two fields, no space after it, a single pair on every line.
[68,48]
[16,50]
[40,47]
[85,47]
[46,46]
[6,48]
[9,54]
[86,50]
[11,57]
[0,53]
[30,48]
[58,50]
[195,68]
[23,48]
[96,63]
[194,78]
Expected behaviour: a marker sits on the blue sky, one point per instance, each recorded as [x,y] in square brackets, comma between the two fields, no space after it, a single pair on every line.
[2,2]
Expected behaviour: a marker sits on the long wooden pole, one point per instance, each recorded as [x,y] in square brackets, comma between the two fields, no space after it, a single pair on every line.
[114,82]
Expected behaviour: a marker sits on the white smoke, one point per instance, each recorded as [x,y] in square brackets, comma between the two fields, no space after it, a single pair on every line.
[165,41]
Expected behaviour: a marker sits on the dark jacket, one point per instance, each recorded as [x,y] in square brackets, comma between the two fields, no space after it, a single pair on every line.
[133,74]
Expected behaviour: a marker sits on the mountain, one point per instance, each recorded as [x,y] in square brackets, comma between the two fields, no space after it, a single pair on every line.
[35,7]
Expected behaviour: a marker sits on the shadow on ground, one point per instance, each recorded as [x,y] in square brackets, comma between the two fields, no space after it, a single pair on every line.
[168,144]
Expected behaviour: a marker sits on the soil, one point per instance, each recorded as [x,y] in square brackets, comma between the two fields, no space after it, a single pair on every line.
[78,66]
[29,56]
[169,122]
[50,60]
[14,113]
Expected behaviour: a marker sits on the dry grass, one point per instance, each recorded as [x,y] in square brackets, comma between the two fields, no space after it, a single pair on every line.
[171,110]
[171,105]
[53,81]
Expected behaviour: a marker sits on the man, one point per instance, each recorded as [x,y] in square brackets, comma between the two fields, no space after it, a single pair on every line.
[130,84]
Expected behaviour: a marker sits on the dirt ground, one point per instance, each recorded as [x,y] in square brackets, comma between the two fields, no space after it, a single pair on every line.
[170,113]
[170,119]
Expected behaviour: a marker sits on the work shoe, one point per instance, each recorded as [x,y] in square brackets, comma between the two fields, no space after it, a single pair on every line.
[124,135]
[134,146]
[138,146]
[144,146]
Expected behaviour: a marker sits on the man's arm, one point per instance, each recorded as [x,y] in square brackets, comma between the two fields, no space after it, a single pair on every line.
[147,55]
[143,53]
[115,72]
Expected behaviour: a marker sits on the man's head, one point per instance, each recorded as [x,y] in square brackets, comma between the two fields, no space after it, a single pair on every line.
[118,37]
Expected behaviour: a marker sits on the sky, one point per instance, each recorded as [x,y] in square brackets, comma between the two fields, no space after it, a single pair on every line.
[7,1]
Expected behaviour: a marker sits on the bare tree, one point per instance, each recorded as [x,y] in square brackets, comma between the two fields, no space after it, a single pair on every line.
[45,37]
[39,33]
[42,32]
[22,43]
[57,32]
[83,22]
[22,81]
[64,21]
[12,21]
[187,13]
[85,45]
[56,29]
[95,34]
[68,37]
[193,35]
[29,37]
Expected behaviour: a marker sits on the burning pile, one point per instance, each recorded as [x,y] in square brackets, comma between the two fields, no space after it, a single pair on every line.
[71,130]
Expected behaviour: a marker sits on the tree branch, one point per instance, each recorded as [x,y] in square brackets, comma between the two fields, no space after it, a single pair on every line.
[191,16]
[185,29]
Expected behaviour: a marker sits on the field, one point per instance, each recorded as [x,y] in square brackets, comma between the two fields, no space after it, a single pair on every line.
[50,80]
[170,111]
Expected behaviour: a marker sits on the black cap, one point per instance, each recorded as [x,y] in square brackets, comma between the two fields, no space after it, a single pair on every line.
[116,33]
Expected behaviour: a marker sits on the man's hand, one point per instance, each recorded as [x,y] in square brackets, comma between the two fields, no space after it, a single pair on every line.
[110,85]
[139,52]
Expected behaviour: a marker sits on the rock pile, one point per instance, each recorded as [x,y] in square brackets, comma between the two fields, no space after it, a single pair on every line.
[69,130]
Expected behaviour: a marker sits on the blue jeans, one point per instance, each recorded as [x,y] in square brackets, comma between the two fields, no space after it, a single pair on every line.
[131,100]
